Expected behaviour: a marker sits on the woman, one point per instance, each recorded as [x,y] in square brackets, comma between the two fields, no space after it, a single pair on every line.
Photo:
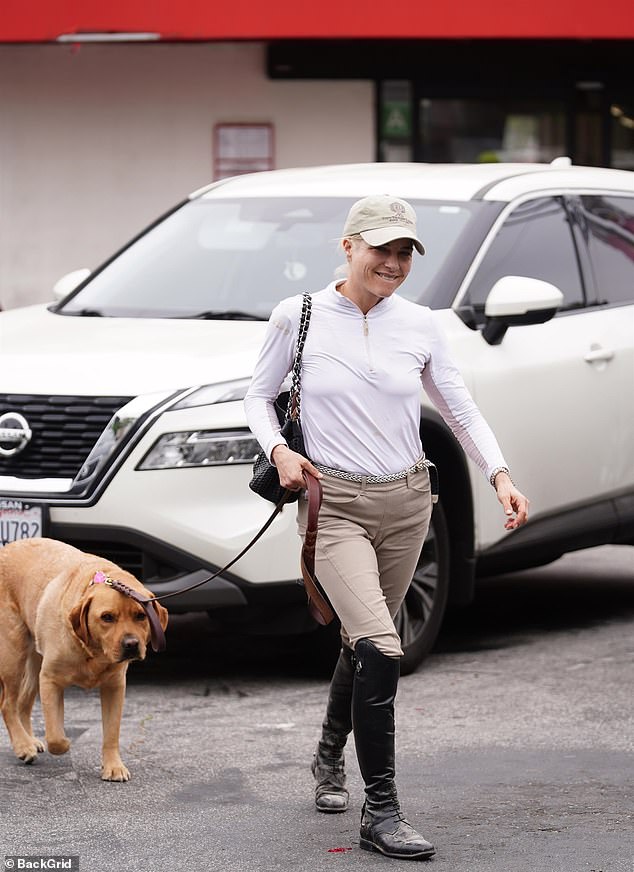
[366,354]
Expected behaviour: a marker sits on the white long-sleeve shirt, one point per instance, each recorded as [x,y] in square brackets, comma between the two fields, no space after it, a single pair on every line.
[361,381]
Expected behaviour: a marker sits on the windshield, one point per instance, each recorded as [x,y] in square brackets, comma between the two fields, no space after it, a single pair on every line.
[231,258]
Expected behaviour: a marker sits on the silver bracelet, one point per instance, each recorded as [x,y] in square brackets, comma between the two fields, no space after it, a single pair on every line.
[500,469]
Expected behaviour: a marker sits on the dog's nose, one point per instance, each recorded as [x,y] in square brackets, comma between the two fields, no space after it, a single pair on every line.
[129,646]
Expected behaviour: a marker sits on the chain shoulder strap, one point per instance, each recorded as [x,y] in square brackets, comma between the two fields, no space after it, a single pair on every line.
[293,410]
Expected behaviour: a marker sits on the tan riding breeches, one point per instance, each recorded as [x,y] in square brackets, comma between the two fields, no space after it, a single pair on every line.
[368,544]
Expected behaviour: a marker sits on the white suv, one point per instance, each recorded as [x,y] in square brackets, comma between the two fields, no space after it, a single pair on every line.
[122,428]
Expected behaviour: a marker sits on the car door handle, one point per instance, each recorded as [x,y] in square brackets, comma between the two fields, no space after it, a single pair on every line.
[597,353]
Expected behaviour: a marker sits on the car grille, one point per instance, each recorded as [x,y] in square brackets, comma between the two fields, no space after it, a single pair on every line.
[126,556]
[64,429]
[138,560]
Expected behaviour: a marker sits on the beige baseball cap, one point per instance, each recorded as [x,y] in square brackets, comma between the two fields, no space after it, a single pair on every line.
[380,219]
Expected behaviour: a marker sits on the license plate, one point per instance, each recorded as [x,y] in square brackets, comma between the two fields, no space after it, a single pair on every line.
[20,520]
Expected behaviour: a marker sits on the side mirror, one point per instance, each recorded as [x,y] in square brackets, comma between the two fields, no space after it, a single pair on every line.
[518,300]
[69,282]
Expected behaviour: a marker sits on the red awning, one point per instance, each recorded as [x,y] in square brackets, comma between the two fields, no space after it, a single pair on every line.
[47,20]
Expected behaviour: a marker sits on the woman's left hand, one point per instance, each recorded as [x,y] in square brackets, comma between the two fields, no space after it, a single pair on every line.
[512,501]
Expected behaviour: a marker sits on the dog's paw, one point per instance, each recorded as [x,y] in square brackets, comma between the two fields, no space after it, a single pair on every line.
[58,746]
[28,754]
[27,748]
[115,772]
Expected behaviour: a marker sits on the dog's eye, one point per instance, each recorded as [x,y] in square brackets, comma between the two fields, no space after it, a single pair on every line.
[140,616]
[108,618]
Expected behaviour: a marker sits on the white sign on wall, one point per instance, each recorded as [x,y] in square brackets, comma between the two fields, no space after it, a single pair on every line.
[242,148]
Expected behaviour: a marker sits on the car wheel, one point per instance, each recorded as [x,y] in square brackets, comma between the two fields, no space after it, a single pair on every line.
[419,618]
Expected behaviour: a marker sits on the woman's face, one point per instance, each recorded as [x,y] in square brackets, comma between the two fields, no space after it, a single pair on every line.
[375,273]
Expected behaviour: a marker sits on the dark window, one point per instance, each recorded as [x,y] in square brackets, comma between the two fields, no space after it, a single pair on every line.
[609,224]
[534,241]
[488,130]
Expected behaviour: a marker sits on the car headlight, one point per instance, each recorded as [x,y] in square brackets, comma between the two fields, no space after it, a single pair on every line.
[225,392]
[201,448]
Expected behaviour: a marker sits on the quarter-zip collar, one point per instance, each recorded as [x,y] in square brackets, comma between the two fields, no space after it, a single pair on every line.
[379,308]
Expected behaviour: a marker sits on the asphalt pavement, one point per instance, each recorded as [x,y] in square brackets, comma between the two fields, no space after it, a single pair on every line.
[514,746]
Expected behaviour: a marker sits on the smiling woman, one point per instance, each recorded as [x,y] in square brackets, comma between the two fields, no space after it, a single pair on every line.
[366,354]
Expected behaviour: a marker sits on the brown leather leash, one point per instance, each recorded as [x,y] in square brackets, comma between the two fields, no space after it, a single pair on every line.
[318,603]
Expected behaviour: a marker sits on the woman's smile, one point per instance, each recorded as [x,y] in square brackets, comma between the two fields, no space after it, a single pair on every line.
[389,277]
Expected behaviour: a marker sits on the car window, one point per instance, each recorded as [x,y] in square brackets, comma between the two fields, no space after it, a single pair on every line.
[535,240]
[233,257]
[609,230]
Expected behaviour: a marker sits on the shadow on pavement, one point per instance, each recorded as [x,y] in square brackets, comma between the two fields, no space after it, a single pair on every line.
[578,591]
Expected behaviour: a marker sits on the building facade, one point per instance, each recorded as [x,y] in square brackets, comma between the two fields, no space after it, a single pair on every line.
[113,113]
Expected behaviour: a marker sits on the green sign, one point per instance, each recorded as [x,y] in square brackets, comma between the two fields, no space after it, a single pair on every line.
[396,119]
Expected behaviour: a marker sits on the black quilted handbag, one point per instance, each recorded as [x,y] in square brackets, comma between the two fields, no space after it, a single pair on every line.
[265,481]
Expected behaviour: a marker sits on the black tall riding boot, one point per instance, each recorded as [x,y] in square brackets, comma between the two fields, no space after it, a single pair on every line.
[383,827]
[328,762]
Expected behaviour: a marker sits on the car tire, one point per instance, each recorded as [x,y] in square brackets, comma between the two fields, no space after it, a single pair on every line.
[419,619]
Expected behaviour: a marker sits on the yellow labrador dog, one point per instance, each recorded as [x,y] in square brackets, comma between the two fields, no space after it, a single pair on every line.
[59,624]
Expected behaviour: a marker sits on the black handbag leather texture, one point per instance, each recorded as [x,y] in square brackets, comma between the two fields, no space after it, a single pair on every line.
[265,481]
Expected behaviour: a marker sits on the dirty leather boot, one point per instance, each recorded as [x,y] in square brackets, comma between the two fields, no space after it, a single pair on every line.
[383,826]
[328,761]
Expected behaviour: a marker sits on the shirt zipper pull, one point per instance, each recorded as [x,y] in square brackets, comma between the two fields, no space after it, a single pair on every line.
[365,325]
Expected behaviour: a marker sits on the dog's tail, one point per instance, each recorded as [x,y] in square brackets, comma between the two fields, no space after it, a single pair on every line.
[31,676]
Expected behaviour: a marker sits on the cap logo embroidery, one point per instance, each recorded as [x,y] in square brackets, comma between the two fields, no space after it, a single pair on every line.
[399,216]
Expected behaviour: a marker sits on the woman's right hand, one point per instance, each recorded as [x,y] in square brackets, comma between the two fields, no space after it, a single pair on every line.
[290,466]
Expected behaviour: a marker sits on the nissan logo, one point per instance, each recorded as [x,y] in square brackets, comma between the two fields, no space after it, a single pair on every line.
[15,434]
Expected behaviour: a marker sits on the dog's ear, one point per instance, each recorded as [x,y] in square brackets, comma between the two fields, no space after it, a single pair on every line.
[79,620]
[162,614]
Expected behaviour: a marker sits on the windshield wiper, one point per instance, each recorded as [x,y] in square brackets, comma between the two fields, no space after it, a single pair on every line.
[226,315]
[209,315]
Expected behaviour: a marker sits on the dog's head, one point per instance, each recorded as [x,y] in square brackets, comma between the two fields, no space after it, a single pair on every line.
[110,623]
